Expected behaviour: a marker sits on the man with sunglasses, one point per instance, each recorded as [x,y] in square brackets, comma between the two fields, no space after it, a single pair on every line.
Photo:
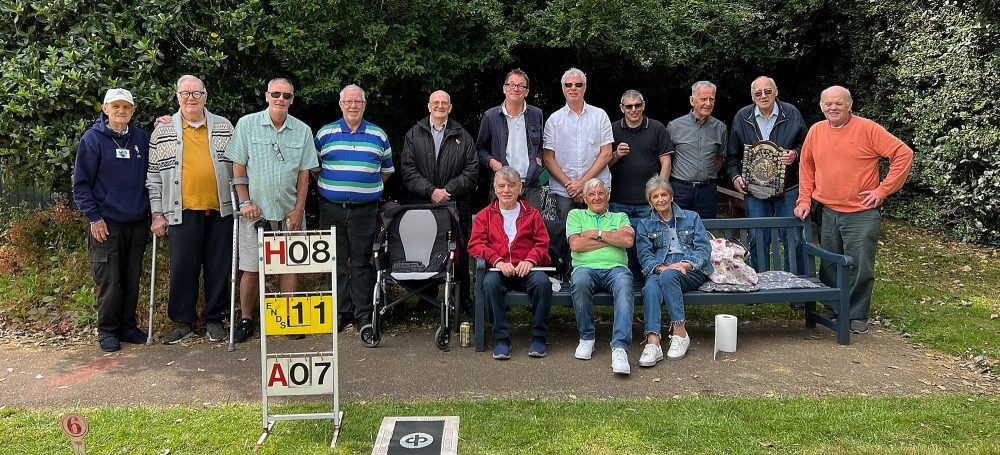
[272,154]
[188,183]
[511,135]
[699,148]
[641,150]
[768,119]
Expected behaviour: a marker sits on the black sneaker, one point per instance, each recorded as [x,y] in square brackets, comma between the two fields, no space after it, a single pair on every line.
[133,335]
[243,331]
[215,332]
[859,326]
[180,333]
[109,342]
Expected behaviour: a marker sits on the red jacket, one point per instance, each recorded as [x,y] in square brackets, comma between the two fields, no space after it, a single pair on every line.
[489,240]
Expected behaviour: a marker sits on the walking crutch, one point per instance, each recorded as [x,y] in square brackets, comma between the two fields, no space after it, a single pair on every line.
[233,284]
[152,285]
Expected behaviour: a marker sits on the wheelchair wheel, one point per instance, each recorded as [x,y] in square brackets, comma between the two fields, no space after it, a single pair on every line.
[442,338]
[369,336]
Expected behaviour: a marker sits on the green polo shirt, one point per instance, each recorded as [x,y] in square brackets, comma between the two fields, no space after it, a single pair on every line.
[580,220]
[273,158]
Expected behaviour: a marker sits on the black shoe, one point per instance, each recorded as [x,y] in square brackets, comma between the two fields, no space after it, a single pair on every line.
[859,326]
[243,330]
[109,342]
[342,323]
[133,335]
[295,337]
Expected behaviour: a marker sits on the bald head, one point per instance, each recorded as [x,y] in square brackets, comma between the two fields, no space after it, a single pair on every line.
[836,102]
[439,106]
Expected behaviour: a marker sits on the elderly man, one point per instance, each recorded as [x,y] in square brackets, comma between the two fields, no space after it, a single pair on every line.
[356,162]
[439,164]
[188,183]
[700,144]
[109,178]
[598,239]
[511,135]
[840,170]
[274,152]
[641,150]
[768,119]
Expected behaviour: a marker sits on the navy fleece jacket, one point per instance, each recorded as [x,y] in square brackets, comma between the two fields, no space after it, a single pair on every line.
[106,184]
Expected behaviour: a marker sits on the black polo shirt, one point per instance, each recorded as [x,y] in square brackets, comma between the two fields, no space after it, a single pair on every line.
[645,143]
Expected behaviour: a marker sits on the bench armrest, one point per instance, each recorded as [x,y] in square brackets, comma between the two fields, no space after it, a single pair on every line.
[815,250]
[479,304]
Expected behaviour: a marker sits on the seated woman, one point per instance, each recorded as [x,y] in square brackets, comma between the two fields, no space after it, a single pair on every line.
[510,235]
[674,250]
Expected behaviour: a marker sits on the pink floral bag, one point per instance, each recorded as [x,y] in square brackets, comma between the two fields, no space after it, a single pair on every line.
[730,259]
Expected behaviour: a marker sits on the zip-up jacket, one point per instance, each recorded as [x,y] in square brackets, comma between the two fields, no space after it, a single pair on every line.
[455,169]
[789,133]
[110,184]
[492,140]
[490,242]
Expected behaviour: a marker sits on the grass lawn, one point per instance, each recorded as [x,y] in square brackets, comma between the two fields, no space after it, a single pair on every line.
[936,424]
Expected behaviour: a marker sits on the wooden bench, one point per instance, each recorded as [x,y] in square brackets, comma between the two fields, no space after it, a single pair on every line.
[743,229]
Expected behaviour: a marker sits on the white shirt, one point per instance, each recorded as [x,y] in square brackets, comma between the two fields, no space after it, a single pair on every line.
[517,141]
[510,222]
[577,140]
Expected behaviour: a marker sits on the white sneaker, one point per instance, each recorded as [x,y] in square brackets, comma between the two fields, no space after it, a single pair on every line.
[585,349]
[619,361]
[651,354]
[678,347]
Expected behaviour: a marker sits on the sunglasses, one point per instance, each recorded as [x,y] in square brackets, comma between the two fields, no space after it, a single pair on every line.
[277,151]
[573,84]
[760,93]
[629,107]
[284,95]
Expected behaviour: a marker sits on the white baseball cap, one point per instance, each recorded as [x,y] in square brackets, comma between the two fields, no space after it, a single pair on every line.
[118,94]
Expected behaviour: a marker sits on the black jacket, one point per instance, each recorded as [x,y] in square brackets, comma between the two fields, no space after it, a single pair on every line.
[455,169]
[789,133]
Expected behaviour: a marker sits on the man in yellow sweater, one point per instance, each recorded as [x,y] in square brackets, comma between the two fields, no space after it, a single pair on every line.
[839,169]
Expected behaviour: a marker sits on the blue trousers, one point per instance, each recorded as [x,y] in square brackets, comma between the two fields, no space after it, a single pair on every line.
[667,287]
[539,290]
[781,205]
[635,213]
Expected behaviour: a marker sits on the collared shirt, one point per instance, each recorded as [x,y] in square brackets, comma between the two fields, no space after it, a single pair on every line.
[647,143]
[696,145]
[273,158]
[437,135]
[766,124]
[577,140]
[517,141]
[353,162]
[198,185]
[580,220]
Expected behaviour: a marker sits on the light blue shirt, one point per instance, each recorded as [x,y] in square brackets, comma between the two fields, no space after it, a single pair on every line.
[766,124]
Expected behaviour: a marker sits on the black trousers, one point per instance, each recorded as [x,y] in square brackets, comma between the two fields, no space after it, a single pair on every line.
[356,225]
[116,264]
[201,246]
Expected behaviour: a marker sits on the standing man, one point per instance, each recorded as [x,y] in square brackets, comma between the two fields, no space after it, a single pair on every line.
[272,154]
[356,162]
[598,239]
[511,135]
[768,119]
[439,164]
[188,183]
[109,178]
[700,145]
[641,150]
[839,169]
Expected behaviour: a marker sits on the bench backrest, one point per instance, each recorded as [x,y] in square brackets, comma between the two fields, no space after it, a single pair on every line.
[749,231]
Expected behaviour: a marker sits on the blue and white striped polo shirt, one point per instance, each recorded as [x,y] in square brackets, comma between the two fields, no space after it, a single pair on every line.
[353,163]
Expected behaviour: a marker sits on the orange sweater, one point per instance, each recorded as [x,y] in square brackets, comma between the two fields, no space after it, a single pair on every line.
[839,163]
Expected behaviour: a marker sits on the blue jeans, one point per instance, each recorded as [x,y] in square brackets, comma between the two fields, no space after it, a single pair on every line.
[635,213]
[781,205]
[539,290]
[667,287]
[702,200]
[618,282]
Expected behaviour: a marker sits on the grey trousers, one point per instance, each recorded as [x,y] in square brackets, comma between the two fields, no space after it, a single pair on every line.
[856,235]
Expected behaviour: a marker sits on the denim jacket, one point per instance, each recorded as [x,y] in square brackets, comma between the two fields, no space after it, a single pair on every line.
[653,241]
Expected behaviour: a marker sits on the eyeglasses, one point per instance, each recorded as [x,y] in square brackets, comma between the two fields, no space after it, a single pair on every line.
[760,93]
[284,95]
[516,86]
[350,102]
[629,107]
[573,84]
[196,95]
[277,151]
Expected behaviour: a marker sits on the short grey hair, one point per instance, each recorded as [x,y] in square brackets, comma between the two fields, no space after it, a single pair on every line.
[280,80]
[188,77]
[632,94]
[573,72]
[656,183]
[352,87]
[589,184]
[509,174]
[700,85]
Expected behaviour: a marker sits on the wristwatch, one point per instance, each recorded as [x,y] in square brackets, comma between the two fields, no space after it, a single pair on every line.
[600,235]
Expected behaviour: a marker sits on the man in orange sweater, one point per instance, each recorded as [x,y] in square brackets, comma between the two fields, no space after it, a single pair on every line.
[839,169]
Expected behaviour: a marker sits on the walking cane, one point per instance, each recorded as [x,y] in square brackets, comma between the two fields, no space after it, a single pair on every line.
[233,284]
[152,285]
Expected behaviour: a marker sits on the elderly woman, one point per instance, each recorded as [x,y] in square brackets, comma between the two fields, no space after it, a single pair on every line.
[510,235]
[674,251]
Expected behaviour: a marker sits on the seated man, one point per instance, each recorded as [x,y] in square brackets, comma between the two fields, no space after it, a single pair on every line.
[510,235]
[598,239]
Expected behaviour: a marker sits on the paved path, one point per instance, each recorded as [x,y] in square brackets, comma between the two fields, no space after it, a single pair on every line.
[770,360]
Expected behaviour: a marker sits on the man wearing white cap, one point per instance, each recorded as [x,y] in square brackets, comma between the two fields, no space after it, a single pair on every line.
[109,187]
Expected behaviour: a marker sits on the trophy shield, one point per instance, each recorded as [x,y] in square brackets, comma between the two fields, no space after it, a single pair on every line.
[763,171]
